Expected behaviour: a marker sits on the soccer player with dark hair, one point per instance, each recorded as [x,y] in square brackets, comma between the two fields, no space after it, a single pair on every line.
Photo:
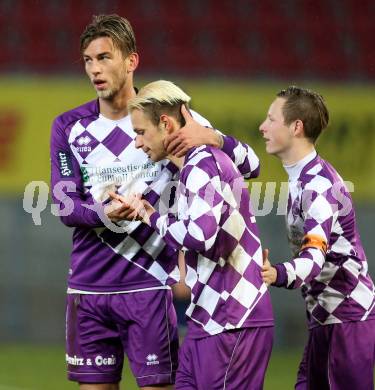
[119,297]
[329,263]
[230,322]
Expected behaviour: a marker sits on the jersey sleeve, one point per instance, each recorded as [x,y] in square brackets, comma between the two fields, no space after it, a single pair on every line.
[319,211]
[66,183]
[240,153]
[200,202]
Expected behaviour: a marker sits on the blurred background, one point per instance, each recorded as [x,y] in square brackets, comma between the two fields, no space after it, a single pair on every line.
[232,57]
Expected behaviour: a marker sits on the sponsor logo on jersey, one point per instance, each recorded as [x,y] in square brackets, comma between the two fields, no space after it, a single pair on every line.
[83,144]
[85,174]
[65,164]
[118,173]
[83,140]
[152,359]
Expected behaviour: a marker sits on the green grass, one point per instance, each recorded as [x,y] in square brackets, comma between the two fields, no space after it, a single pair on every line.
[43,368]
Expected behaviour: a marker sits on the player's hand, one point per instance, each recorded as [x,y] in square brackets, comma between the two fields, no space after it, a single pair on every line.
[136,203]
[119,209]
[148,211]
[133,207]
[269,273]
[141,207]
[192,134]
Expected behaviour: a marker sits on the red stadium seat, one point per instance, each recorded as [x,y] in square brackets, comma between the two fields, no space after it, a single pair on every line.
[310,38]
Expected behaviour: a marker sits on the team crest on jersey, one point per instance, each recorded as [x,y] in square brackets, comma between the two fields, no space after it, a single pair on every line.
[65,164]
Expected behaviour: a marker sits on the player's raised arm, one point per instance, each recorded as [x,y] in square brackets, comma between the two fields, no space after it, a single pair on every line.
[194,133]
[242,155]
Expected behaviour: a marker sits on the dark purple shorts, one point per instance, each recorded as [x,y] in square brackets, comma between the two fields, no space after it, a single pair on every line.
[232,360]
[339,357]
[101,328]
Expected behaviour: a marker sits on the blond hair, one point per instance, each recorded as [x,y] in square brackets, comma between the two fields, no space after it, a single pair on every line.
[160,97]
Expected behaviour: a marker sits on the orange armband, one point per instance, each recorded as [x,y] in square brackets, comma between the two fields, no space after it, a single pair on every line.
[314,241]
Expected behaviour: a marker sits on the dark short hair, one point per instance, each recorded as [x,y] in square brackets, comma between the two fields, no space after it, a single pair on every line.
[112,26]
[307,106]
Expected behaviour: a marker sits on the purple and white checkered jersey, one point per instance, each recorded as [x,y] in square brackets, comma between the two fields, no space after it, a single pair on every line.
[91,155]
[217,230]
[329,264]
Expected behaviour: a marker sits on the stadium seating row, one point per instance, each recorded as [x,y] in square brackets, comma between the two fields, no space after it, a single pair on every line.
[310,38]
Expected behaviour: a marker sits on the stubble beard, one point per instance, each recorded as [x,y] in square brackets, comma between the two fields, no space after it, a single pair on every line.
[111,92]
[104,94]
[107,94]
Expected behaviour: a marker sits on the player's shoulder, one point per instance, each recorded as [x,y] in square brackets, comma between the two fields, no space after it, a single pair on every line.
[199,168]
[320,176]
[86,110]
[211,160]
[199,155]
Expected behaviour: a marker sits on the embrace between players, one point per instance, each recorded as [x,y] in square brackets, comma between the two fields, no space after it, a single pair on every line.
[119,298]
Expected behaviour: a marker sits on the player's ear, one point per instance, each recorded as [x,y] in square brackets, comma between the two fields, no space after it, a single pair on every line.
[298,128]
[167,123]
[132,61]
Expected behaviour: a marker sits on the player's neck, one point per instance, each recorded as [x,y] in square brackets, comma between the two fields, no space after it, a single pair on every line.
[116,107]
[178,161]
[296,153]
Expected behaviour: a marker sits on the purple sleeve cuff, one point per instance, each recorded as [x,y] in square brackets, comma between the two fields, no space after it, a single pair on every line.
[82,216]
[282,277]
[255,173]
[153,219]
[228,144]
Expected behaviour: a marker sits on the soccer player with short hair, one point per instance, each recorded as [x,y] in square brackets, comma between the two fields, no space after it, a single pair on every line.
[230,321]
[119,297]
[329,263]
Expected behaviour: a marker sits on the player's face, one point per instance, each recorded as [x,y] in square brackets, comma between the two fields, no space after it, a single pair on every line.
[149,136]
[106,67]
[277,134]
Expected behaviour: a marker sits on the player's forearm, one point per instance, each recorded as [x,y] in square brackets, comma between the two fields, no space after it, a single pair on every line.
[301,270]
[69,203]
[213,138]
[86,218]
[161,224]
[282,277]
[79,214]
[184,234]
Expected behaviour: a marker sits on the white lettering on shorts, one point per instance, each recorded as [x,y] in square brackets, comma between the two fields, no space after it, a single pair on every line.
[105,361]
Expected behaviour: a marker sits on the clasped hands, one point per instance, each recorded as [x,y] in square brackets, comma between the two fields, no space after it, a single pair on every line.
[134,208]
[128,208]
